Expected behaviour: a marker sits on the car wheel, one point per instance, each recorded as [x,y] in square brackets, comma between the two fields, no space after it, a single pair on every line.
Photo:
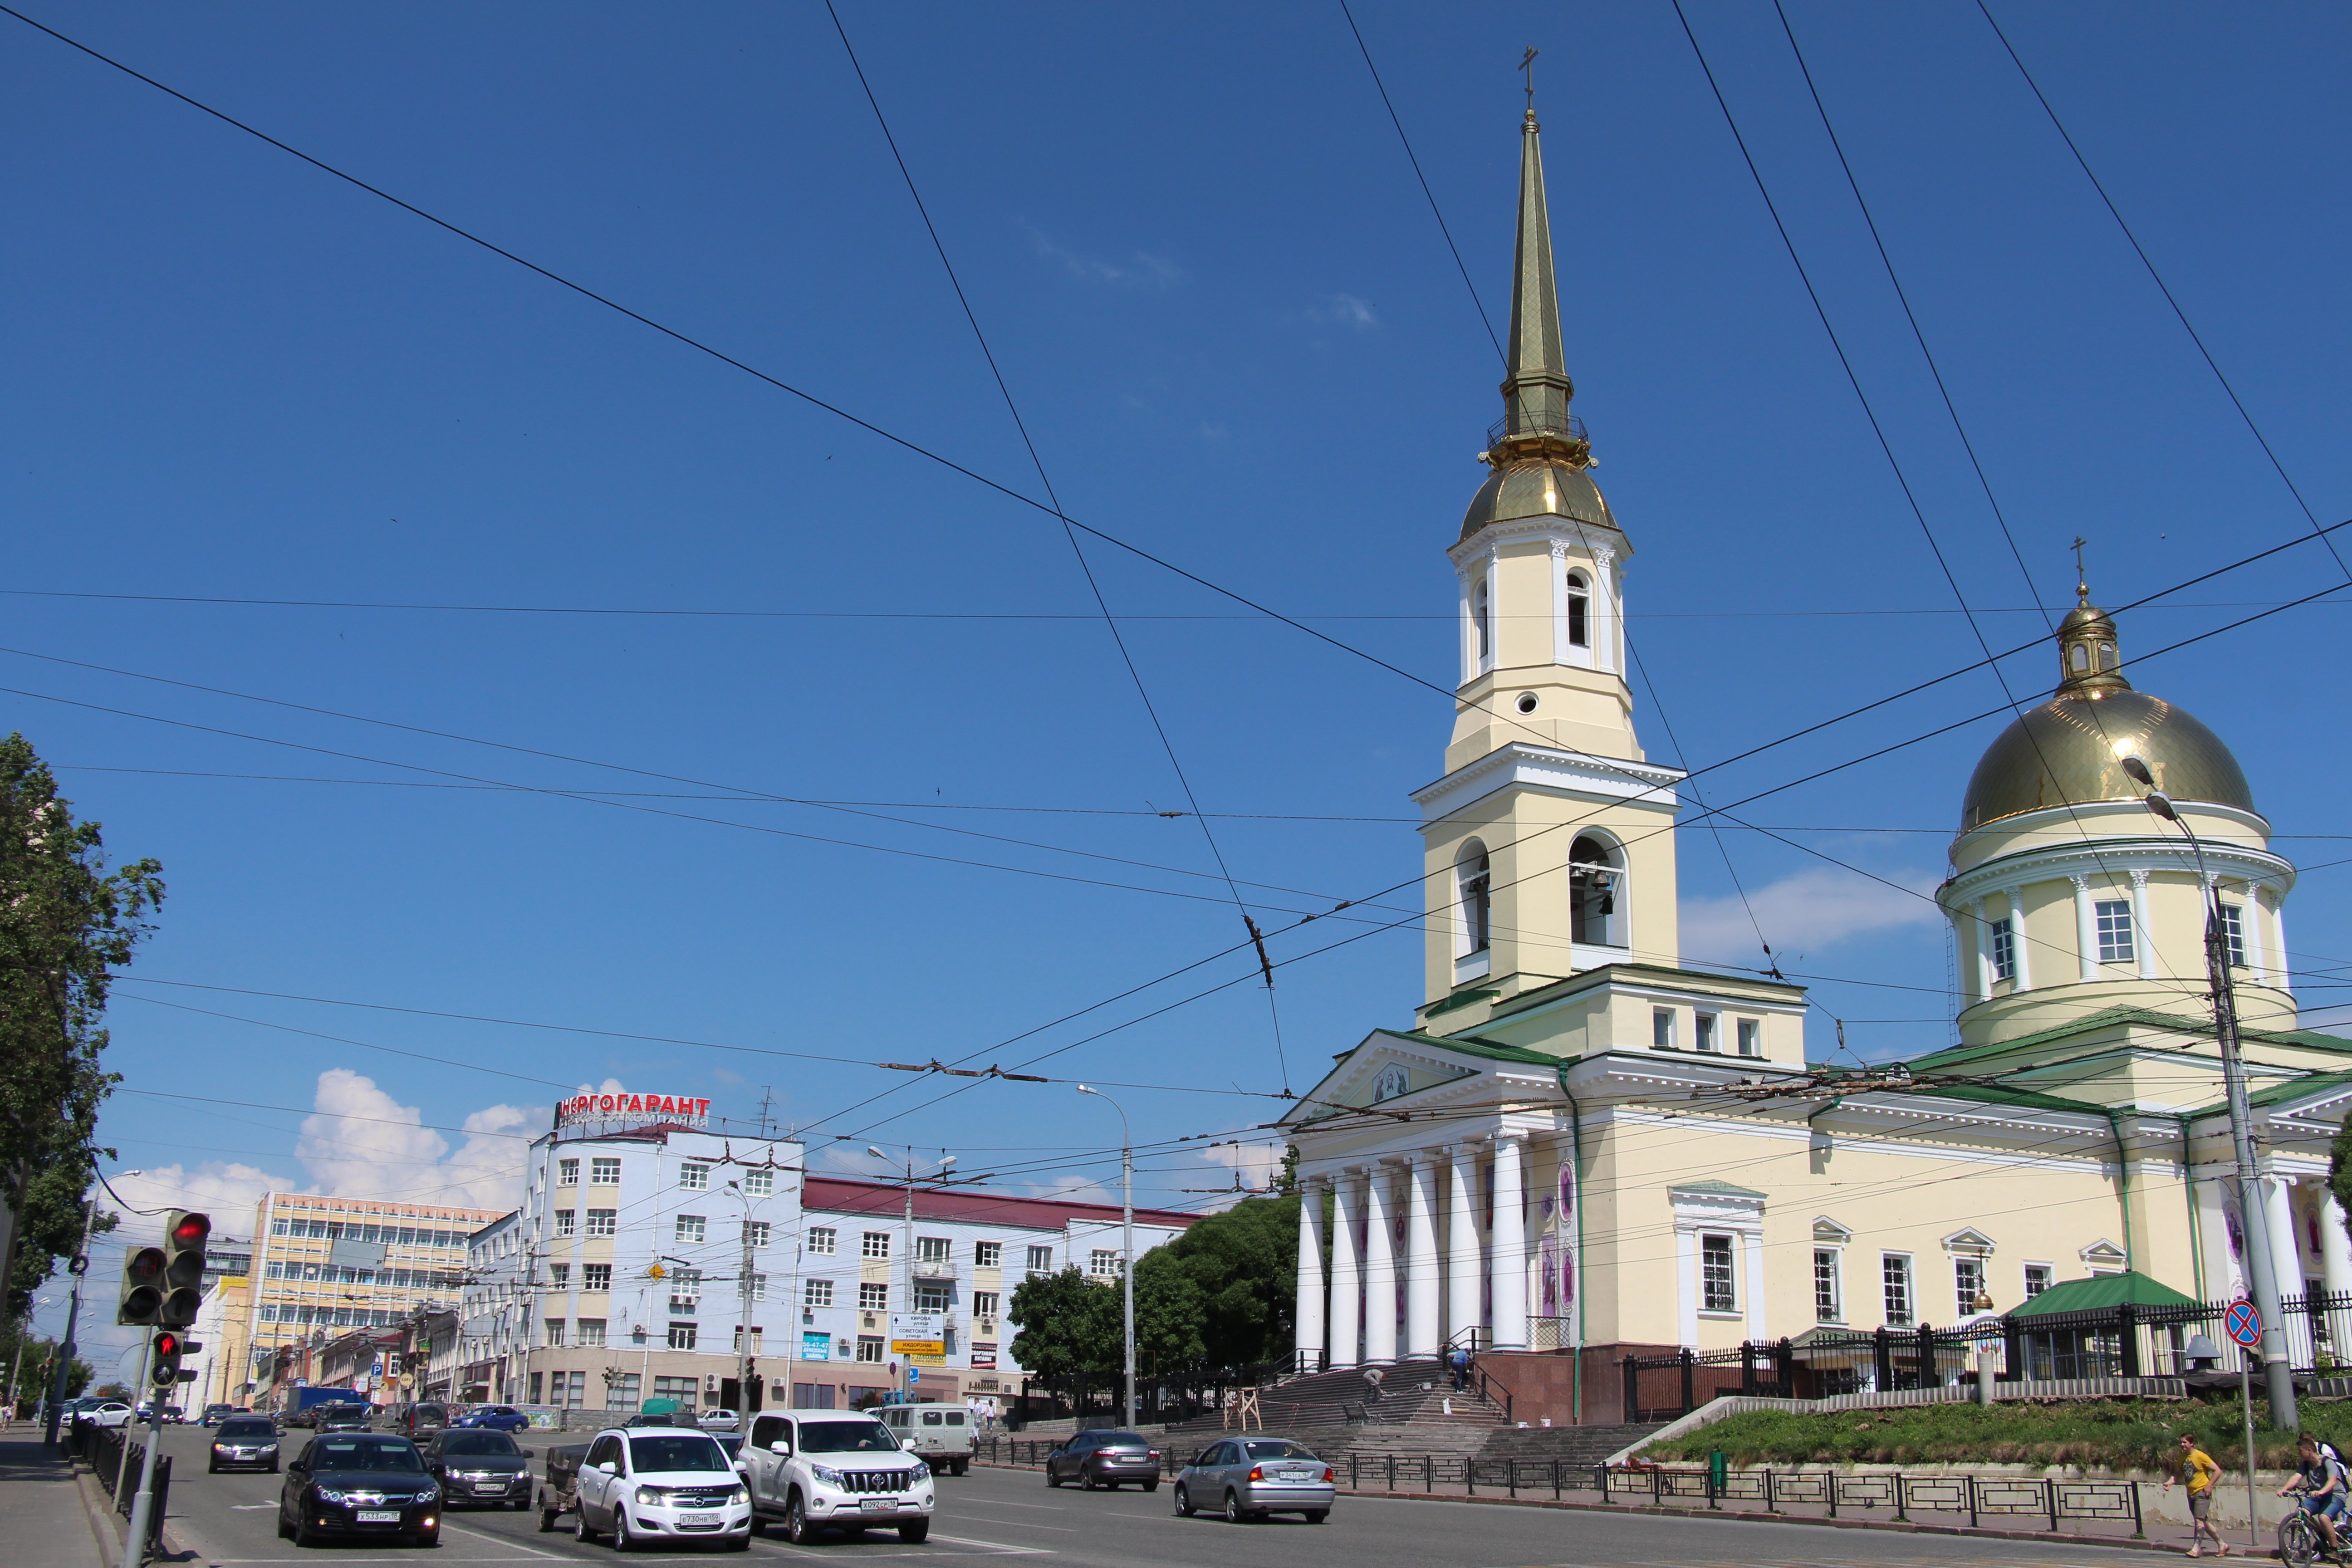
[273,1467]
[1183,1502]
[758,1526]
[1151,1486]
[547,1516]
[431,1538]
[580,1529]
[1233,1514]
[285,1531]
[1086,1479]
[621,1540]
[1053,1476]
[796,1523]
[1318,1515]
[211,1470]
[915,1531]
[304,1536]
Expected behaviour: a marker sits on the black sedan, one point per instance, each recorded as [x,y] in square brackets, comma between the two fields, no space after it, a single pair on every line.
[245,1443]
[1104,1459]
[483,1467]
[359,1484]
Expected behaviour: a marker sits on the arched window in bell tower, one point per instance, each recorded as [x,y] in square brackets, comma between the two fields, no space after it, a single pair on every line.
[1482,625]
[1579,611]
[1596,880]
[1472,891]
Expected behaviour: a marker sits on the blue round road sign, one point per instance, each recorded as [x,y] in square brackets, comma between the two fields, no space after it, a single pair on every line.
[2243,1323]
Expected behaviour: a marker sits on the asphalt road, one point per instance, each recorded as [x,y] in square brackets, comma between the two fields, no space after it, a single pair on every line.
[1013,1513]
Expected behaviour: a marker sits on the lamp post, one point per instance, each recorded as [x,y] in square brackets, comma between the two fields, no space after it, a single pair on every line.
[2278,1373]
[1127,1254]
[907,1242]
[78,1267]
[743,1359]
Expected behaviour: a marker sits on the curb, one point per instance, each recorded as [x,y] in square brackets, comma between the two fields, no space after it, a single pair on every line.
[98,1511]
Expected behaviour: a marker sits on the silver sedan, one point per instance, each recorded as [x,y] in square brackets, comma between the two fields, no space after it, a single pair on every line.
[1250,1477]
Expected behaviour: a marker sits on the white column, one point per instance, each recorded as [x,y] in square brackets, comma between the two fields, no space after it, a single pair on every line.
[1751,1258]
[1347,1276]
[1494,578]
[1469,634]
[1510,1251]
[1465,1256]
[1421,1282]
[2278,1216]
[2253,922]
[1311,1304]
[2087,929]
[2143,934]
[1603,611]
[1982,970]
[2020,950]
[2278,936]
[1559,603]
[2335,1246]
[1379,1270]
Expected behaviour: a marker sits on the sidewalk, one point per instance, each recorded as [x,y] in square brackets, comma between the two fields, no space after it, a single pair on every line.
[43,1515]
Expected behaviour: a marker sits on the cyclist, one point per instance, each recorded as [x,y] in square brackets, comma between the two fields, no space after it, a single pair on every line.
[2323,1481]
[2199,1472]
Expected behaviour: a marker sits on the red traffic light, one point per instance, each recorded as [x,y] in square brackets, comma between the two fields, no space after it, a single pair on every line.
[166,1343]
[192,1230]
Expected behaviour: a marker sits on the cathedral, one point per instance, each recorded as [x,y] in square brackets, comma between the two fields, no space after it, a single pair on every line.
[1583,1150]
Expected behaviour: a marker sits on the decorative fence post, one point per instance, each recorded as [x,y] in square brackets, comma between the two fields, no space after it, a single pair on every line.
[1632,1391]
[2127,1334]
[1688,1361]
[1784,1367]
[1747,1368]
[1882,1354]
[1929,1376]
[2012,1352]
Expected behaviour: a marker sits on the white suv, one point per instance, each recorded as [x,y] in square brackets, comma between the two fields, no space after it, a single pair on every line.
[647,1484]
[825,1469]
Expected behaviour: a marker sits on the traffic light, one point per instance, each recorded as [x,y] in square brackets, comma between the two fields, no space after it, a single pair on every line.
[183,1266]
[141,1301]
[169,1347]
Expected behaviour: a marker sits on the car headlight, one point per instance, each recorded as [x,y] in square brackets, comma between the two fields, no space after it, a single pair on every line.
[742,1494]
[921,1472]
[430,1494]
[268,1448]
[652,1497]
[328,1494]
[826,1474]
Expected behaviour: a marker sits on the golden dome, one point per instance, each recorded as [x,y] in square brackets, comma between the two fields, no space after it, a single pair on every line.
[1538,488]
[2065,751]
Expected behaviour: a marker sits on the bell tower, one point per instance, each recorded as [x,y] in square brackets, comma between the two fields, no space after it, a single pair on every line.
[1549,845]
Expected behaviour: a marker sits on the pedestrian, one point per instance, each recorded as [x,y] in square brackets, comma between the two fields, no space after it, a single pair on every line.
[2198,1472]
[1461,1363]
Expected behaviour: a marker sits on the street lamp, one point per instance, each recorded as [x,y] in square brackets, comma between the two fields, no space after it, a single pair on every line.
[78,1267]
[908,1237]
[1127,1257]
[743,1389]
[2278,1373]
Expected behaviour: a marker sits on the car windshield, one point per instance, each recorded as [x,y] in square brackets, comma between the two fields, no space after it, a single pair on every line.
[365,1454]
[432,1412]
[479,1443]
[846,1437]
[734,1444]
[247,1428]
[1277,1449]
[679,1453]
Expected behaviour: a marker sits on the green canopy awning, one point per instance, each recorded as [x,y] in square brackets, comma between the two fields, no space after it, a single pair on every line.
[2104,1293]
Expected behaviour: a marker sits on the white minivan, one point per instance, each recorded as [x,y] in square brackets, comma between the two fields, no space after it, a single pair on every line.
[941,1433]
[646,1484]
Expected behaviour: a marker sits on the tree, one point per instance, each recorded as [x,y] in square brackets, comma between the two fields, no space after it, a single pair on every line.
[66,925]
[1069,1326]
[1244,1264]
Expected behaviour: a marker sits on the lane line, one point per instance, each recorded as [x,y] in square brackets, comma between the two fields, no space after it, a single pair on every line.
[500,1540]
[1005,1546]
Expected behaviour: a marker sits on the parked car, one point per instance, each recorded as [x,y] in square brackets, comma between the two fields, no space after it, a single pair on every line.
[214,1413]
[646,1487]
[359,1483]
[245,1443]
[1104,1459]
[941,1433]
[817,1470]
[106,1412]
[1250,1477]
[720,1420]
[421,1418]
[479,1467]
[559,1494]
[494,1418]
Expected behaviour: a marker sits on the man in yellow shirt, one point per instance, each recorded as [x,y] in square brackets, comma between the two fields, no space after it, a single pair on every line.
[2199,1471]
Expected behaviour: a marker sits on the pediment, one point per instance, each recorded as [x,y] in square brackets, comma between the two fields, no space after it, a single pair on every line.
[1386,1068]
[1967,1240]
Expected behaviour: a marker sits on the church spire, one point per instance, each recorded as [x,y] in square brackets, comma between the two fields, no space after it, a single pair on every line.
[1535,386]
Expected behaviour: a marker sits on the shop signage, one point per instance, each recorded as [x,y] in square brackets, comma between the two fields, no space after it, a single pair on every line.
[815,1345]
[634,1109]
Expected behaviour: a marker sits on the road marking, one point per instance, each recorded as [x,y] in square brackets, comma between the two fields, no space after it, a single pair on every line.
[1003,1546]
[1007,1502]
[1025,1524]
[500,1540]
[250,1507]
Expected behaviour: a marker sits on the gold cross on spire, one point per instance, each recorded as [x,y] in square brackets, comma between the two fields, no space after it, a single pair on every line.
[2082,579]
[1528,64]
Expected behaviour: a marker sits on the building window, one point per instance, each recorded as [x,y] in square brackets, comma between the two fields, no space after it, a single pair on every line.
[1041,1261]
[555,1332]
[689,1227]
[1592,873]
[1482,627]
[869,1348]
[2233,933]
[620,1391]
[1477,883]
[1829,1306]
[1662,1029]
[816,1293]
[567,1390]
[873,1244]
[932,1298]
[1580,612]
[1751,1037]
[596,1276]
[1968,1284]
[757,1334]
[759,1184]
[2114,915]
[1715,1294]
[984,1305]
[559,1275]
[1895,1268]
[566,1220]
[1703,1030]
[2000,946]
[820,1240]
[681,1336]
[1103,1263]
[603,1221]
[678,1388]
[694,1178]
[755,1233]
[567,1172]
[2037,1280]
[604,1171]
[759,1287]
[932,1248]
[988,1255]
[873,1298]
[685,1290]
[592,1332]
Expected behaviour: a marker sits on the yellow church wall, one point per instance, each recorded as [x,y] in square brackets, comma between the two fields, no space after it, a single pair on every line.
[1583,705]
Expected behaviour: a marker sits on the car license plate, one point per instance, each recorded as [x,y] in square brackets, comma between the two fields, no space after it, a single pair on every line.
[379,1516]
[878,1504]
[701,1518]
[490,1485]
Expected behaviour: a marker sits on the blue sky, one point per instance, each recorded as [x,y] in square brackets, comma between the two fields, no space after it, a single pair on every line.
[1240,342]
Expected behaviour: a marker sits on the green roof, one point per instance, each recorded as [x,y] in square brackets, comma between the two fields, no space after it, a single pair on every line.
[2104,1292]
[1991,1094]
[1471,1046]
[2281,1093]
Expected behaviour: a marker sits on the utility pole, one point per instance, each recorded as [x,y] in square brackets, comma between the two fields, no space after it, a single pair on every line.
[76,1265]
[907,1245]
[1127,1214]
[744,1360]
[2278,1370]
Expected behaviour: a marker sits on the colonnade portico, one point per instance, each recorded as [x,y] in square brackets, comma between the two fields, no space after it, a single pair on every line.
[1385,1302]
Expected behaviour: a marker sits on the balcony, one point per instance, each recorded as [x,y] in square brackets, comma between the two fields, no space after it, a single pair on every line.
[1537,422]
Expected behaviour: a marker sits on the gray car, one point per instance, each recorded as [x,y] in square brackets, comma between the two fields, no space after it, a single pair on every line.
[1250,1477]
[1104,1459]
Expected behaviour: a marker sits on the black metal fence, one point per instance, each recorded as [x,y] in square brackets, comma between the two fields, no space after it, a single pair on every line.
[2123,1341]
[102,1449]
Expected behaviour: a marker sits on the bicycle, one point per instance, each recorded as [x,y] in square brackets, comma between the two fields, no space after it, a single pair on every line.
[2301,1542]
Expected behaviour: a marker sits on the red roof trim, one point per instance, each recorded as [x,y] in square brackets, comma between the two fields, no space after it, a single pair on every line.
[880,1200]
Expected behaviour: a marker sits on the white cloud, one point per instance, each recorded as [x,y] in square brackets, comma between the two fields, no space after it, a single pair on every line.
[1347,312]
[1803,912]
[1141,270]
[226,1190]
[1256,1163]
[361,1142]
